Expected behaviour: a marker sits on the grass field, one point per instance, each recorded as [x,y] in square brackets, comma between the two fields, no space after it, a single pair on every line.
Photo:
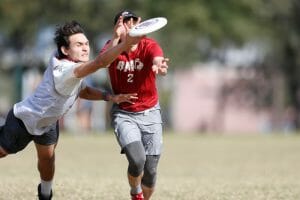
[192,167]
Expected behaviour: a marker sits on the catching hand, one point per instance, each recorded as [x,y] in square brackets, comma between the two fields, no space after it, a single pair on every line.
[119,28]
[120,98]
[160,65]
[128,39]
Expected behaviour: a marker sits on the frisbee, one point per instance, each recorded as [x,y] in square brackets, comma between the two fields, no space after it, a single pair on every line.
[148,26]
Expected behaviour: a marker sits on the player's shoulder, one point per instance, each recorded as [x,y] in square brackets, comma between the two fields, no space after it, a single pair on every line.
[148,42]
[56,61]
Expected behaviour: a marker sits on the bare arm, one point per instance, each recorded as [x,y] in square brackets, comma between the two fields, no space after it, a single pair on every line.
[100,61]
[91,93]
[105,58]
[119,43]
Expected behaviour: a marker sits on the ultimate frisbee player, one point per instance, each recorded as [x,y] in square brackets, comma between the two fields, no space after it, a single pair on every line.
[36,117]
[138,126]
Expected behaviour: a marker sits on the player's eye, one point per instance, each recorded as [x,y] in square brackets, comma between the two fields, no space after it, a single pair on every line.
[80,44]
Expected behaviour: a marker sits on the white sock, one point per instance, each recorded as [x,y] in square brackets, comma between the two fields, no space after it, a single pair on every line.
[136,190]
[46,187]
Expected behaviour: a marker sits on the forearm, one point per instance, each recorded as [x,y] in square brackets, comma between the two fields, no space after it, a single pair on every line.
[93,94]
[110,54]
[101,61]
[113,42]
[85,69]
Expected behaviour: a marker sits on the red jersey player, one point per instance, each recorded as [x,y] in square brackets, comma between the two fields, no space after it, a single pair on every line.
[137,125]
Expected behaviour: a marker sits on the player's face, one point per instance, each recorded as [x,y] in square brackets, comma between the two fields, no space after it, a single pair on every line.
[79,48]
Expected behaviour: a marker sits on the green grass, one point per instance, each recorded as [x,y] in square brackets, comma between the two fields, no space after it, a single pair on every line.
[192,167]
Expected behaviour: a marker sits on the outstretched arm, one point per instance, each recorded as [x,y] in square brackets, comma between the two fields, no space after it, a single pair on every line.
[116,47]
[100,61]
[91,93]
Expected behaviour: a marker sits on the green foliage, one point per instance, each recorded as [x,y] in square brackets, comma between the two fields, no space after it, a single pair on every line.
[216,21]
[195,27]
[18,20]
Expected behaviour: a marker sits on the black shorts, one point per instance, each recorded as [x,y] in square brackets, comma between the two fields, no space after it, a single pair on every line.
[14,136]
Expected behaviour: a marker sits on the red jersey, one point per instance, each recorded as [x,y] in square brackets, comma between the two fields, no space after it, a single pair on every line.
[132,73]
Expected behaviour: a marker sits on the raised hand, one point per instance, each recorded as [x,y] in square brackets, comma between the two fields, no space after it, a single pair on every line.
[127,38]
[123,27]
[160,65]
[119,28]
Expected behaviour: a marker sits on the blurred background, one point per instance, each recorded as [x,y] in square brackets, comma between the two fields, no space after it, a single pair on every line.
[235,64]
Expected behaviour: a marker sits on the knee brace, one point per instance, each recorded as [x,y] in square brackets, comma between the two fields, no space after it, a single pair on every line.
[136,157]
[150,170]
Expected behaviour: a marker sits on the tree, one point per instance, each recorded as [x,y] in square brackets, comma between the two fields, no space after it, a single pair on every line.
[195,28]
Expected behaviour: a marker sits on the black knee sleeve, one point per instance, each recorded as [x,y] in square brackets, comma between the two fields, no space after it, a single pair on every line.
[136,157]
[150,171]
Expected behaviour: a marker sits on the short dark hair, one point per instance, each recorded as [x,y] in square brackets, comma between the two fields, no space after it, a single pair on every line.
[63,33]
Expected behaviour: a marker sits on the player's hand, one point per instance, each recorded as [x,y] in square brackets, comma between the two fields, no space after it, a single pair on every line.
[127,38]
[122,28]
[120,98]
[131,23]
[119,28]
[160,65]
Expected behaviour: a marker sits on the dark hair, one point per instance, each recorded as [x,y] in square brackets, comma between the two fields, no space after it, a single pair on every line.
[63,33]
[127,14]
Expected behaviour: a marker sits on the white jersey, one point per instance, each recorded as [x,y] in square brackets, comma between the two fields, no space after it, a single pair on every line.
[54,96]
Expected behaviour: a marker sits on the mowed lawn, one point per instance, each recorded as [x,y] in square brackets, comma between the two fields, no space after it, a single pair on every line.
[192,167]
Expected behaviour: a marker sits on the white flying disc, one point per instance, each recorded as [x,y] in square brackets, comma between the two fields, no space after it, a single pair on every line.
[148,26]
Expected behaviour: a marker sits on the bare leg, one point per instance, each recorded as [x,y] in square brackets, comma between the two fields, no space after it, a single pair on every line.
[134,181]
[147,192]
[3,153]
[46,161]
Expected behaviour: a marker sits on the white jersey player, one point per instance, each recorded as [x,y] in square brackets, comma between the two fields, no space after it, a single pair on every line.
[36,117]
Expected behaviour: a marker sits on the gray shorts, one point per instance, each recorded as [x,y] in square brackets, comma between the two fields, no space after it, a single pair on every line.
[14,137]
[142,126]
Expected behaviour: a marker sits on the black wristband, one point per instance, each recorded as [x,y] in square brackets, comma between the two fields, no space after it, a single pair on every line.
[105,96]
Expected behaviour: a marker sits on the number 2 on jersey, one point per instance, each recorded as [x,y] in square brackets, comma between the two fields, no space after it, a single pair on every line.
[130,78]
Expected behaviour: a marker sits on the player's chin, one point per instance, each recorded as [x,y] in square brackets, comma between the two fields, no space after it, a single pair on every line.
[84,58]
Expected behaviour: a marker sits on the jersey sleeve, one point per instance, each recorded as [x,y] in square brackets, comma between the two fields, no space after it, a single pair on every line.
[155,50]
[64,78]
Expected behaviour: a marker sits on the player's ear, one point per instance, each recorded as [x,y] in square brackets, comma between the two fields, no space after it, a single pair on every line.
[64,50]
